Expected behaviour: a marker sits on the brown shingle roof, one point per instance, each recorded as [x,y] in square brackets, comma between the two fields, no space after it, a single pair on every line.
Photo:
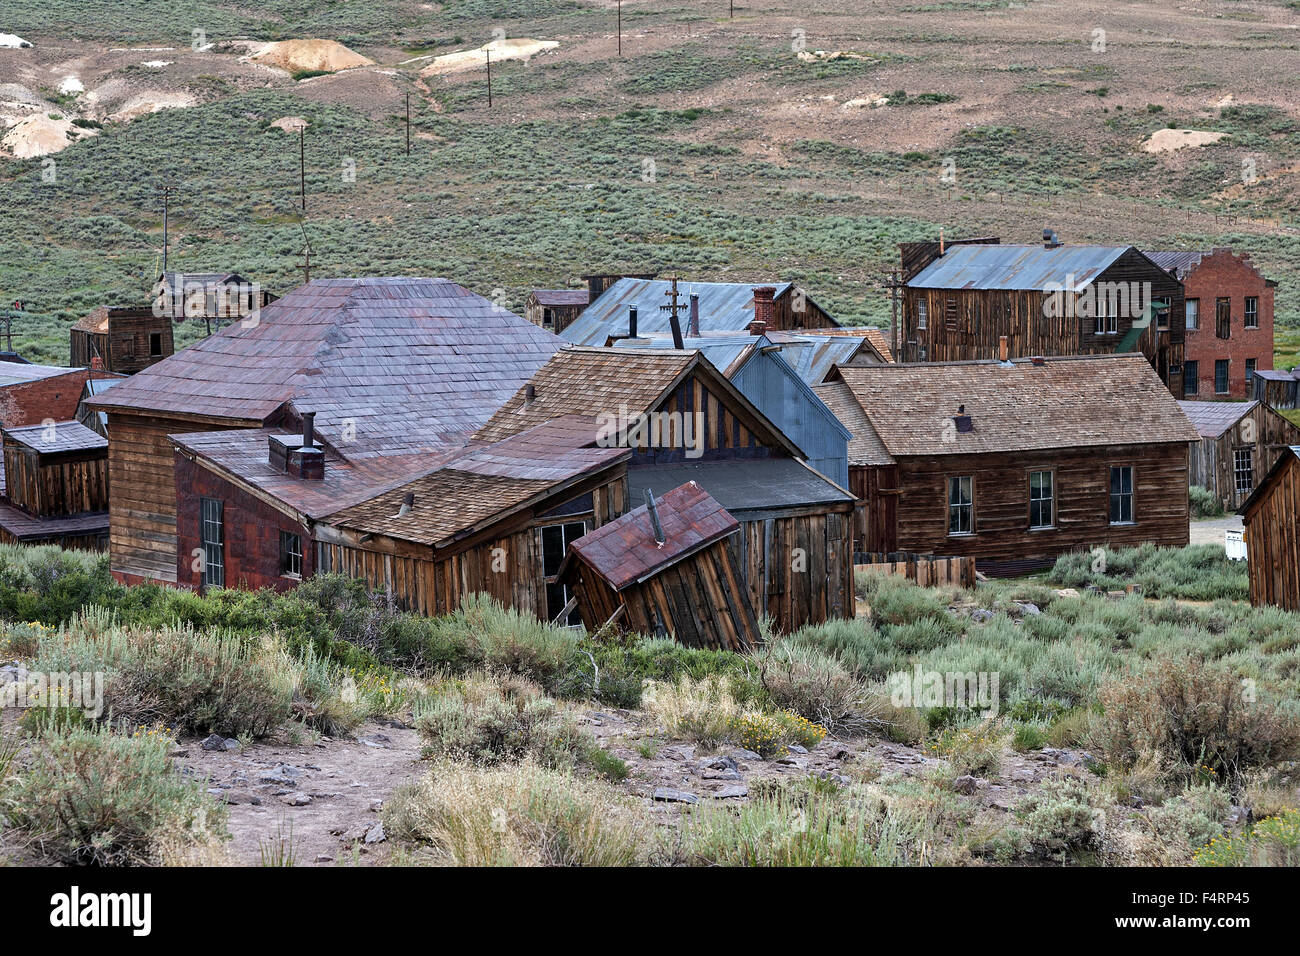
[1066,402]
[96,321]
[624,551]
[410,363]
[865,446]
[562,296]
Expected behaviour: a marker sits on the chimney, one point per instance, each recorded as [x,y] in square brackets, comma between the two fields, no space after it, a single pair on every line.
[408,502]
[764,309]
[676,324]
[1049,239]
[96,363]
[655,525]
[631,321]
[962,420]
[308,429]
[1002,349]
[298,455]
[530,394]
[694,329]
[941,242]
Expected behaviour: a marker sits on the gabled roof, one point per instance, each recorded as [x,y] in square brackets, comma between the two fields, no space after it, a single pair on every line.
[1179,262]
[1066,402]
[726,351]
[600,381]
[865,446]
[561,296]
[405,363]
[624,551]
[1001,266]
[56,438]
[724,307]
[1276,374]
[98,319]
[875,338]
[17,373]
[1212,419]
[1283,460]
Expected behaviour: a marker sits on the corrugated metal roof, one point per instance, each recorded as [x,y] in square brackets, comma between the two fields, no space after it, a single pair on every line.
[724,307]
[1212,419]
[724,352]
[1276,374]
[813,355]
[1181,261]
[1016,267]
[15,373]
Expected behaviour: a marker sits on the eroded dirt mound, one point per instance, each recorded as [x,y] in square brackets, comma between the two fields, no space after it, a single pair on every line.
[299,55]
[1168,140]
[41,136]
[519,49]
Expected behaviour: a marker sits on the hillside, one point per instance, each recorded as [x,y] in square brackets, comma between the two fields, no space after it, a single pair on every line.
[802,143]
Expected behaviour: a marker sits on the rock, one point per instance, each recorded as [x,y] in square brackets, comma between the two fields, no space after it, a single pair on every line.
[214,742]
[1027,608]
[728,793]
[1238,815]
[797,749]
[282,774]
[324,858]
[842,753]
[236,797]
[395,724]
[1066,593]
[747,754]
[232,743]
[376,834]
[1137,803]
[669,795]
[719,775]
[720,762]
[382,741]
[376,806]
[790,761]
[834,777]
[679,752]
[296,800]
[981,616]
[965,784]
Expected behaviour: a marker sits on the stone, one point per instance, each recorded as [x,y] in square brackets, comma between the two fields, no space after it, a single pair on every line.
[376,806]
[790,761]
[732,792]
[965,784]
[382,741]
[324,858]
[720,762]
[679,752]
[797,749]
[376,834]
[296,800]
[232,743]
[747,754]
[236,797]
[1066,593]
[719,775]
[981,616]
[214,742]
[1027,608]
[669,795]
[282,774]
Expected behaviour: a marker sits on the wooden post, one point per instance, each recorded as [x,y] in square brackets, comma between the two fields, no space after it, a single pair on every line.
[620,27]
[408,124]
[302,164]
[489,75]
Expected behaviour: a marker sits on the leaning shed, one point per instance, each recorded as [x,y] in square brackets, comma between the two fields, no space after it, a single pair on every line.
[389,366]
[986,301]
[684,421]
[1239,443]
[555,309]
[1272,530]
[55,486]
[1017,463]
[121,340]
[705,307]
[665,568]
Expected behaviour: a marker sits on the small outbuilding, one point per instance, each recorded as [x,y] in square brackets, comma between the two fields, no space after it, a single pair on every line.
[554,309]
[121,340]
[665,569]
[55,486]
[1239,443]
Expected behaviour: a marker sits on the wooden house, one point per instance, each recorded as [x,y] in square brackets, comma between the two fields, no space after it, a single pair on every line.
[1228,304]
[554,309]
[425,530]
[55,487]
[1016,463]
[684,421]
[1271,516]
[1276,388]
[704,307]
[969,301]
[1239,443]
[121,340]
[665,569]
[391,367]
[213,297]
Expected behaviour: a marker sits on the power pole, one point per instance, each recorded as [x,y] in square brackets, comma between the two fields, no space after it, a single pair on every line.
[302,164]
[488,51]
[408,124]
[620,27]
[167,196]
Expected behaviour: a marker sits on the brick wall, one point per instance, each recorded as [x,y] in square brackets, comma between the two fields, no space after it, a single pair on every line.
[251,530]
[1224,274]
[30,403]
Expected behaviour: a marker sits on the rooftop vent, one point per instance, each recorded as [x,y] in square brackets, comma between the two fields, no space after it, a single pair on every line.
[655,525]
[631,321]
[298,455]
[1049,239]
[962,420]
[693,330]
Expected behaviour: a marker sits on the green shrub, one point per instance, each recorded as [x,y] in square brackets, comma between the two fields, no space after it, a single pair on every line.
[702,711]
[1059,817]
[1273,841]
[976,749]
[1203,503]
[90,796]
[815,685]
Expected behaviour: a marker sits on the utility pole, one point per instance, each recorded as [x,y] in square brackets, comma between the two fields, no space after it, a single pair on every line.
[302,164]
[488,51]
[893,284]
[305,265]
[620,27]
[408,124]
[167,196]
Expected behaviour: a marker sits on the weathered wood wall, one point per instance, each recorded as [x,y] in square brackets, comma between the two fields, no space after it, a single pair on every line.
[788,316]
[1273,541]
[56,485]
[875,519]
[927,570]
[1266,433]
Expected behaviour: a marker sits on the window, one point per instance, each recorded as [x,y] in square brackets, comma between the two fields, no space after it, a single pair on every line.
[1221,376]
[1121,494]
[1041,499]
[922,354]
[950,317]
[548,318]
[1162,318]
[961,505]
[290,555]
[155,344]
[1252,312]
[212,535]
[922,314]
[556,539]
[1107,323]
[1223,318]
[1192,309]
[1191,378]
[1243,470]
[1250,370]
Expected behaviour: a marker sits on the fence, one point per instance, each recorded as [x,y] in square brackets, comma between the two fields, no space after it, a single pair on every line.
[927,570]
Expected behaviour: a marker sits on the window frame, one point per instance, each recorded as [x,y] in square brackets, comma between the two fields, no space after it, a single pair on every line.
[548,580]
[1223,317]
[922,314]
[1252,309]
[1251,366]
[287,554]
[1249,471]
[968,506]
[1112,495]
[1192,314]
[1050,498]
[1191,376]
[214,550]
[155,337]
[1226,365]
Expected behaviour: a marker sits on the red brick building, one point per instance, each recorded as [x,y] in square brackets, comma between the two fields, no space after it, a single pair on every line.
[1229,309]
[31,394]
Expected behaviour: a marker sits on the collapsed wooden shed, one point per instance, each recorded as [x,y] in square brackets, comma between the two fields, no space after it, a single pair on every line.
[665,569]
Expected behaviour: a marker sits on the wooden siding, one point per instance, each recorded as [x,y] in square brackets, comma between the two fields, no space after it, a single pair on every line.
[729,430]
[700,601]
[875,518]
[56,485]
[1262,430]
[927,570]
[125,346]
[786,317]
[1272,524]
[794,593]
[1002,539]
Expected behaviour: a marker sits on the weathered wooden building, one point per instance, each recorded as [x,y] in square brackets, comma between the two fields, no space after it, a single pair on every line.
[555,309]
[665,569]
[210,297]
[121,340]
[705,307]
[969,301]
[1017,463]
[684,421]
[55,486]
[1239,443]
[391,367]
[1276,388]
[1272,530]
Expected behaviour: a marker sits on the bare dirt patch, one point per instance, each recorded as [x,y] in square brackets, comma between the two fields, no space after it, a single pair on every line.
[299,55]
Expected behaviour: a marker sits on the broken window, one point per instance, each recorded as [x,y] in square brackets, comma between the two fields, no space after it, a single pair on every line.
[556,539]
[290,555]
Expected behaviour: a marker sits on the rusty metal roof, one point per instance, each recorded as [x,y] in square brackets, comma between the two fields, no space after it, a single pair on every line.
[1180,262]
[562,296]
[1016,267]
[388,364]
[1212,419]
[624,551]
[56,438]
[724,307]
